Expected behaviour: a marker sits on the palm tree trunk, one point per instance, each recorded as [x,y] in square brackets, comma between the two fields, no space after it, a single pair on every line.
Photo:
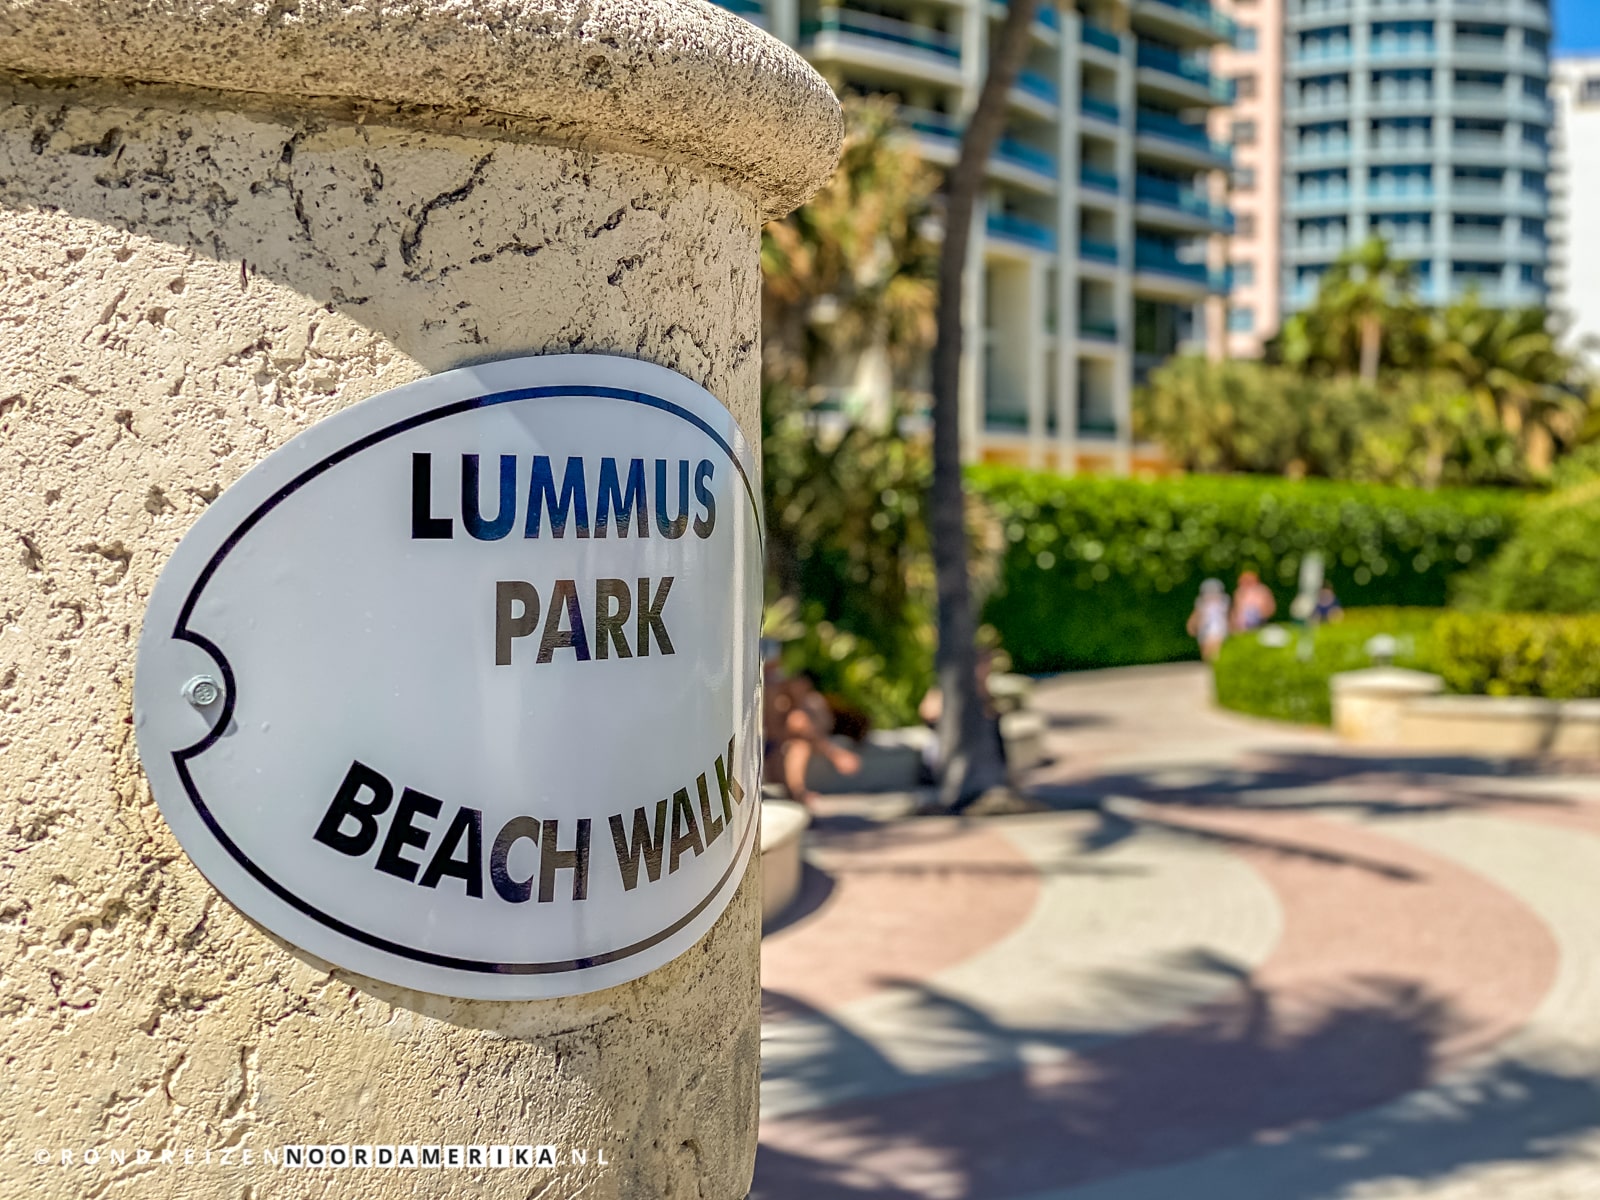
[969,753]
[1371,345]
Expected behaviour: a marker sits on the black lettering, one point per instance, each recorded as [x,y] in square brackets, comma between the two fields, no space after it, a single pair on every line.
[702,492]
[650,616]
[552,860]
[331,831]
[430,1156]
[689,837]
[673,528]
[515,830]
[542,495]
[423,523]
[564,599]
[647,845]
[613,498]
[714,824]
[507,626]
[472,515]
[608,625]
[466,825]
[403,832]
[728,783]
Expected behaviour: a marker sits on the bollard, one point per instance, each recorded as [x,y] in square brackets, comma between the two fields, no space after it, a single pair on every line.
[221,223]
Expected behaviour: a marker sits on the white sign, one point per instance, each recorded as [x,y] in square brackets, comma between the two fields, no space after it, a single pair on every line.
[458,689]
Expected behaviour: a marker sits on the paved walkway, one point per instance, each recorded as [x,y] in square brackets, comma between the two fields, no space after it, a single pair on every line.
[1236,961]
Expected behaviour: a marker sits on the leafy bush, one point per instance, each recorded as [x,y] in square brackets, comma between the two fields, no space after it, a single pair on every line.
[1493,654]
[1103,572]
[1552,564]
[1515,654]
[1289,684]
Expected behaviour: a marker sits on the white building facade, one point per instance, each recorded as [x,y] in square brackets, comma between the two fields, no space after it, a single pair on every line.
[1093,252]
[1575,183]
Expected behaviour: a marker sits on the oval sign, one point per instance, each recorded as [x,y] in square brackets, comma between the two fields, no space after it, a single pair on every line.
[458,689]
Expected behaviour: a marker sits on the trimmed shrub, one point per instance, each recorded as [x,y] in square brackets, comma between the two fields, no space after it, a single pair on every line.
[1103,572]
[1290,682]
[1492,654]
[1515,654]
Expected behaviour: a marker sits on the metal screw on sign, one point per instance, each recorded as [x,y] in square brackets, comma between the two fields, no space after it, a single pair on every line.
[201,691]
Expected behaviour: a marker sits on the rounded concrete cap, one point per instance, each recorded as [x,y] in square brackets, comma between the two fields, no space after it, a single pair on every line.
[682,78]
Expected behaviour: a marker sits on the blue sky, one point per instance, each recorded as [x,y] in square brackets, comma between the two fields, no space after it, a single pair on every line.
[1577,25]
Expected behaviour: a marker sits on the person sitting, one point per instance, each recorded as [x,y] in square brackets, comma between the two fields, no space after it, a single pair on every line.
[796,722]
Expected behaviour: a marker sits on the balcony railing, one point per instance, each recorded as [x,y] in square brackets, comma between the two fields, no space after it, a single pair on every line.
[1151,190]
[1012,228]
[1161,259]
[1104,39]
[1097,251]
[1402,48]
[1159,124]
[1093,106]
[1332,52]
[1204,13]
[870,25]
[1045,15]
[1314,196]
[931,124]
[1023,155]
[1100,328]
[745,8]
[1038,86]
[1094,177]
[1168,62]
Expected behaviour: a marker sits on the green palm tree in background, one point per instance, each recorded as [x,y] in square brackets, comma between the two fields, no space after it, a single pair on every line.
[853,271]
[1365,299]
[1508,361]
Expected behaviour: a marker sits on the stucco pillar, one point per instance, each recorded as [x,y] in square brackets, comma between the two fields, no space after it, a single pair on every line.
[219,223]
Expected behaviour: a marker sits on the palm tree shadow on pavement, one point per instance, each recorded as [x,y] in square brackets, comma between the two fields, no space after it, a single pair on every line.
[1252,1097]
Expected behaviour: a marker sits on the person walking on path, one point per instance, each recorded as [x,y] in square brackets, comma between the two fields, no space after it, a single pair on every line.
[1208,623]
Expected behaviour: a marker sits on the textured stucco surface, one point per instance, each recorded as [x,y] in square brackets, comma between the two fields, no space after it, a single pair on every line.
[681,76]
[181,291]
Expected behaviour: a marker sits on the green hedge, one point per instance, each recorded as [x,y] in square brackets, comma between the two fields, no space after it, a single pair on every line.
[1495,654]
[1290,684]
[1103,572]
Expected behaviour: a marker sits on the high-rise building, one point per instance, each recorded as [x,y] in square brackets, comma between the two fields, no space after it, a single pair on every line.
[1426,122]
[1090,258]
[1574,181]
[1253,125]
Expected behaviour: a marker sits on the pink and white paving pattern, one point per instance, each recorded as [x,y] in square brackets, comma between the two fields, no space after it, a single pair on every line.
[1236,961]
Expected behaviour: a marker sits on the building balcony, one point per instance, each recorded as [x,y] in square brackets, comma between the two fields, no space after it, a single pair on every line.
[1037,91]
[1100,110]
[1306,154]
[1046,20]
[1095,251]
[1317,199]
[750,10]
[1157,259]
[1188,22]
[1167,137]
[1097,180]
[1397,50]
[1322,56]
[1025,165]
[882,43]
[1099,329]
[1100,39]
[938,135]
[1180,78]
[1021,231]
[1167,202]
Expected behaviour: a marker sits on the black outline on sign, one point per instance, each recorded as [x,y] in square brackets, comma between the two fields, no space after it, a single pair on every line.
[181,632]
